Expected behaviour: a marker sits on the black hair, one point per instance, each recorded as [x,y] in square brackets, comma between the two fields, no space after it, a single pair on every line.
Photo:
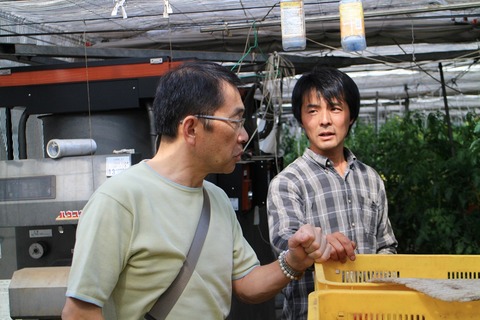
[192,88]
[330,83]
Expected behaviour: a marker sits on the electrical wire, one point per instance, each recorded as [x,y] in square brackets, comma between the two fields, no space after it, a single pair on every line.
[89,106]
[250,48]
[377,60]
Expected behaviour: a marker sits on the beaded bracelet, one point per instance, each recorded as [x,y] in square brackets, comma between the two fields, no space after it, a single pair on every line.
[286,269]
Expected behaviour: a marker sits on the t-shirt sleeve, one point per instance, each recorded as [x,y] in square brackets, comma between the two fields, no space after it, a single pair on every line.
[244,257]
[101,249]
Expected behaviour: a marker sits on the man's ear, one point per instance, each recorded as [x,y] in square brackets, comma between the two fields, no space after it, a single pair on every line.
[188,129]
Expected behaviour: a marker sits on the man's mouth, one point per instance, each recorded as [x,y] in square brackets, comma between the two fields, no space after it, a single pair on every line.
[326,134]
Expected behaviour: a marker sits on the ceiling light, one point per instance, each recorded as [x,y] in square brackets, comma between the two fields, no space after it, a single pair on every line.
[119,5]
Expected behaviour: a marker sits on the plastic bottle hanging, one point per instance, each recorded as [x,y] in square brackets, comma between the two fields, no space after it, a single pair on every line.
[293,25]
[352,27]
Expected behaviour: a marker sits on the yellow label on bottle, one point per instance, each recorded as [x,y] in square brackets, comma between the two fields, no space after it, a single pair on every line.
[351,20]
[292,19]
[291,4]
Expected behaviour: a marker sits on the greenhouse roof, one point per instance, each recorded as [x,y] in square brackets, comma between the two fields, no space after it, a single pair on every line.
[409,43]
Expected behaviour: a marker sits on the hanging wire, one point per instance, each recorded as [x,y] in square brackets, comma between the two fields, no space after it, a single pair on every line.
[89,108]
[392,65]
[250,48]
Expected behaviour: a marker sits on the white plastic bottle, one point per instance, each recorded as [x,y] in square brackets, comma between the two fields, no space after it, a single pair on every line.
[293,25]
[352,27]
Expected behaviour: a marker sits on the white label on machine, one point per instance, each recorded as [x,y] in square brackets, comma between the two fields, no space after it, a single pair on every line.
[4,300]
[115,165]
[41,233]
[234,202]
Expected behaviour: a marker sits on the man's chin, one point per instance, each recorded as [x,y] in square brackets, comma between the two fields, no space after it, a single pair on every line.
[228,169]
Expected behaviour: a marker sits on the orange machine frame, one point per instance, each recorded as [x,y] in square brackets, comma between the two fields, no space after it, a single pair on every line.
[85,73]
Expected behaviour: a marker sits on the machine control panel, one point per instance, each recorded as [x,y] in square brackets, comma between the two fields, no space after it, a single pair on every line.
[27,188]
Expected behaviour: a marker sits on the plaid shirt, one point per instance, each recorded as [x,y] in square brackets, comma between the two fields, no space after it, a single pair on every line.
[310,191]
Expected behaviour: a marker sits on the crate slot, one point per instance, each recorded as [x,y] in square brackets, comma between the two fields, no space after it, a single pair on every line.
[463,275]
[366,276]
[383,316]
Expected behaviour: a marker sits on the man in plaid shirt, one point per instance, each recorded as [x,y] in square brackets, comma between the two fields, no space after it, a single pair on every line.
[327,186]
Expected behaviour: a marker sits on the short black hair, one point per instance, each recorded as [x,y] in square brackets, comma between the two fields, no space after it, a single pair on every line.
[194,87]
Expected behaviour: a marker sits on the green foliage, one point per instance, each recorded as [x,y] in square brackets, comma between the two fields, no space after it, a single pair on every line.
[433,184]
[292,146]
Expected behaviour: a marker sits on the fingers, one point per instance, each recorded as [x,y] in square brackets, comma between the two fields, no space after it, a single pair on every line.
[316,245]
[325,255]
[303,237]
[324,248]
[314,241]
[309,245]
[342,247]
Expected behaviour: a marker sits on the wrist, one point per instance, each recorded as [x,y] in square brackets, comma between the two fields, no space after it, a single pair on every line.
[287,270]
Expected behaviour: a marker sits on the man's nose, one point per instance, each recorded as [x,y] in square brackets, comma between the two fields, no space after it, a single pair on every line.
[243,135]
[325,118]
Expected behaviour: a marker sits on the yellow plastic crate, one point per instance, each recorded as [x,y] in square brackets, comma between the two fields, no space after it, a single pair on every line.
[356,275]
[345,304]
[343,291]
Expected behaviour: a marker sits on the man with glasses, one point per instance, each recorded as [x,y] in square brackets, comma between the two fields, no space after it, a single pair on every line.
[134,233]
[238,123]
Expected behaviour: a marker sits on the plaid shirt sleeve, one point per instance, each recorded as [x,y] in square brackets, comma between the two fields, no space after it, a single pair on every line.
[285,208]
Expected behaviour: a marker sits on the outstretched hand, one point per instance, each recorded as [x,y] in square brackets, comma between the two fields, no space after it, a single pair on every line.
[306,246]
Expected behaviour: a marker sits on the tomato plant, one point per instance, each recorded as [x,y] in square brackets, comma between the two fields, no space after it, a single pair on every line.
[432,182]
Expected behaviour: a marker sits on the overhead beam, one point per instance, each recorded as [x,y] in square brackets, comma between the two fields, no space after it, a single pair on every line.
[26,53]
[10,51]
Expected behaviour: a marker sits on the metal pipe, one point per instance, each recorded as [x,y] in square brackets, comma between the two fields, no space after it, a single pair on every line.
[152,127]
[59,148]
[22,135]
[9,133]
[334,17]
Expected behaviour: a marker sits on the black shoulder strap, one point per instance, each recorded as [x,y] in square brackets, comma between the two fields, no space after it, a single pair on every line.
[167,300]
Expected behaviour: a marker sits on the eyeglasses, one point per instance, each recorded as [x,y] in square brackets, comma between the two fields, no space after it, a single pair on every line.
[238,123]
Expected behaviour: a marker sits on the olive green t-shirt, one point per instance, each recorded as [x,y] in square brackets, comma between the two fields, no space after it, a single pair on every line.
[133,236]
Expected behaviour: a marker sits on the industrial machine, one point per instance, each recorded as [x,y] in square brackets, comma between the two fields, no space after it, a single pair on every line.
[65,129]
[42,197]
[46,176]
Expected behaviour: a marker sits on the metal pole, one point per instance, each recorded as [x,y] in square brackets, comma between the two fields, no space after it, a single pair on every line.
[447,112]
[367,14]
[376,114]
[9,133]
[407,100]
